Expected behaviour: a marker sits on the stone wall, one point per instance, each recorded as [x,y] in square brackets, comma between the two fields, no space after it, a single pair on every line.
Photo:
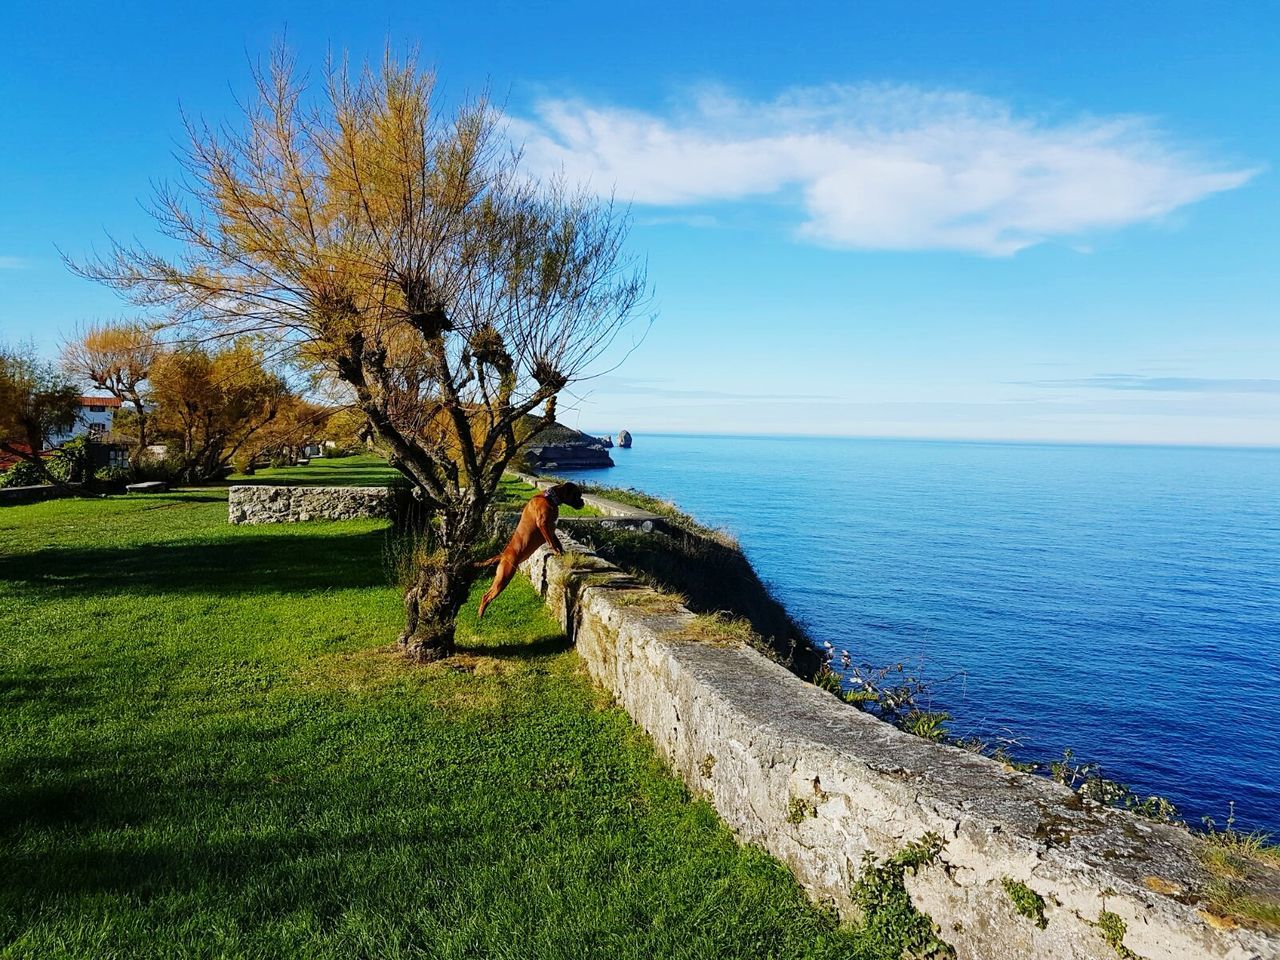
[820,785]
[264,503]
[250,503]
[12,496]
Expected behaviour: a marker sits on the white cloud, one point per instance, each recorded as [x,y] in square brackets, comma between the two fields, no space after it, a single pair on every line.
[1125,381]
[880,167]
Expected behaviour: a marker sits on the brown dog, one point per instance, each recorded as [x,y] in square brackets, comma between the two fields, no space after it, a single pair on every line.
[537,526]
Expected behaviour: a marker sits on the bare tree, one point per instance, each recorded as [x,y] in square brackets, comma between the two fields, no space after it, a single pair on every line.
[118,358]
[404,252]
[36,402]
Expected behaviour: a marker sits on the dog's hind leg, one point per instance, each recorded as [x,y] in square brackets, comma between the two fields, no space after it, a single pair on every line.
[506,570]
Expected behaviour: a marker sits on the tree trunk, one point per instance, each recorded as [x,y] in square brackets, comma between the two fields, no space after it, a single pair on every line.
[441,582]
[431,606]
[140,448]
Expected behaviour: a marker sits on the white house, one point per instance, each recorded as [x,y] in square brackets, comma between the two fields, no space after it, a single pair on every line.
[97,414]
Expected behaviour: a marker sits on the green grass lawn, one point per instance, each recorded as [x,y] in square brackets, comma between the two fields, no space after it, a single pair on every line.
[362,470]
[209,751]
[370,470]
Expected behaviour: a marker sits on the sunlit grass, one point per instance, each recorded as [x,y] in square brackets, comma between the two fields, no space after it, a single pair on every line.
[361,470]
[212,750]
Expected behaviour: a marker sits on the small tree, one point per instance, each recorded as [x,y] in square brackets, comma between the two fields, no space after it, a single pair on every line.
[402,253]
[208,405]
[118,358]
[348,429]
[297,422]
[36,402]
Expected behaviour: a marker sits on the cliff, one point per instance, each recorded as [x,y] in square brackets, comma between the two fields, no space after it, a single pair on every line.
[558,447]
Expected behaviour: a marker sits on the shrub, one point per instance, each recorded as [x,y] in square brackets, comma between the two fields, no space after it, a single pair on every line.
[72,462]
[114,478]
[22,474]
[828,680]
[894,927]
[928,724]
[168,469]
[1113,928]
[1087,780]
[1026,901]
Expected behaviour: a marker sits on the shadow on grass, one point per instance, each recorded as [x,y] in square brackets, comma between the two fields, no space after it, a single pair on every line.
[246,563]
[107,831]
[53,793]
[544,646]
[177,497]
[55,690]
[204,493]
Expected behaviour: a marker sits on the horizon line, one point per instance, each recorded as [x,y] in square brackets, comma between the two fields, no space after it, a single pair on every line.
[1004,441]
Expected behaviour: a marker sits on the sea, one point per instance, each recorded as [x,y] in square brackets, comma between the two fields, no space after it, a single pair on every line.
[1120,602]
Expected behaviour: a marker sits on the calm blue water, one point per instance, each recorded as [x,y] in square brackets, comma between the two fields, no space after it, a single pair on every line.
[1120,601]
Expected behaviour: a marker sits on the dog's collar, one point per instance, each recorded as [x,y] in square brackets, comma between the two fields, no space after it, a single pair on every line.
[550,494]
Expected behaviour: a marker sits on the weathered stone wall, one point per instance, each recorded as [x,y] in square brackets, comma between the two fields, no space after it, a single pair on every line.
[12,496]
[820,784]
[248,503]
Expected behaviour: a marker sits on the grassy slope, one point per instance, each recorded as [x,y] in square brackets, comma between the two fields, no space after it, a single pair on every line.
[369,470]
[208,752]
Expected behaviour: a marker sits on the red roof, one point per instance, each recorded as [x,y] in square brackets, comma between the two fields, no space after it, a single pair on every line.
[7,460]
[99,402]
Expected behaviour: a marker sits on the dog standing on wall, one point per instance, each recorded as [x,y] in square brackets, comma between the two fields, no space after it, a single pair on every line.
[537,526]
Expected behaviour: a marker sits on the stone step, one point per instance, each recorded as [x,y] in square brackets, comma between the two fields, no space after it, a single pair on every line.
[149,486]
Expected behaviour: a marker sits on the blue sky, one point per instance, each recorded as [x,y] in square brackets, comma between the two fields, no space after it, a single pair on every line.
[996,221]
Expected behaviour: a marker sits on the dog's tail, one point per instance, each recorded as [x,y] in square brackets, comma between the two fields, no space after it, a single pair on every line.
[492,561]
